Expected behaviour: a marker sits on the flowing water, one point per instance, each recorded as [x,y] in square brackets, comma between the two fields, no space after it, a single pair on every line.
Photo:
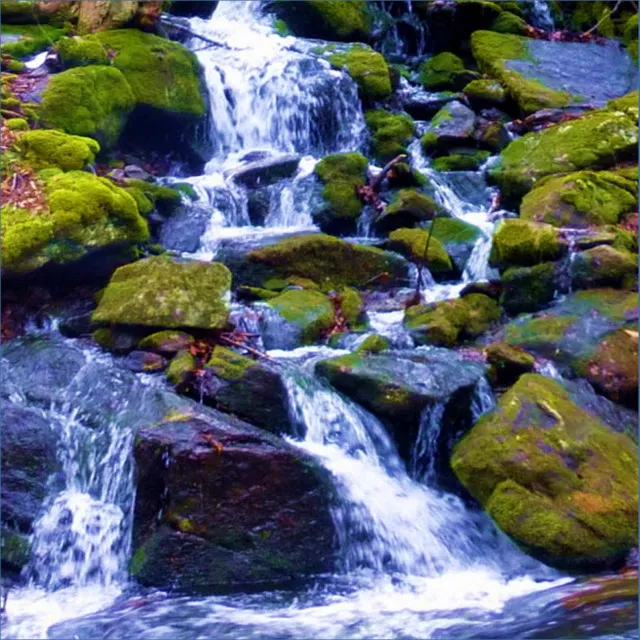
[415,560]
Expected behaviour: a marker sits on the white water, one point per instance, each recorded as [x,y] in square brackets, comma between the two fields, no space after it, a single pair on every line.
[541,15]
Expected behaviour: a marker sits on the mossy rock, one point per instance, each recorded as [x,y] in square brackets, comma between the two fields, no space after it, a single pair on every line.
[44,149]
[85,212]
[162,74]
[88,101]
[604,266]
[390,132]
[553,476]
[30,12]
[310,312]
[485,92]
[31,38]
[161,292]
[402,176]
[524,243]
[341,174]
[452,126]
[180,368]
[408,207]
[149,196]
[580,200]
[445,72]
[17,124]
[166,342]
[453,231]
[330,262]
[448,322]
[373,343]
[81,51]
[507,363]
[461,161]
[529,288]
[411,243]
[369,70]
[597,140]
[508,22]
[351,305]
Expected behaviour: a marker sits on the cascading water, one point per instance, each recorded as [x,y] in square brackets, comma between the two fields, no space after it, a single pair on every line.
[540,14]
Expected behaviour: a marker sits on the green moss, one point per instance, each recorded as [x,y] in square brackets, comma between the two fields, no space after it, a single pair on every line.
[229,365]
[528,288]
[373,344]
[581,199]
[445,72]
[79,52]
[161,292]
[345,20]
[552,476]
[599,139]
[14,66]
[604,266]
[523,243]
[586,15]
[15,547]
[507,22]
[412,244]
[33,38]
[539,332]
[390,132]
[148,195]
[88,101]
[328,261]
[408,207]
[493,50]
[454,231]
[180,367]
[352,307]
[507,363]
[281,28]
[342,174]
[166,342]
[85,212]
[310,311]
[460,161]
[625,241]
[42,149]
[162,74]
[403,176]
[17,124]
[485,90]
[369,70]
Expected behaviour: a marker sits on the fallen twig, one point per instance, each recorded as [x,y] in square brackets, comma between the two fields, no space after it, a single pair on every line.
[602,19]
[237,343]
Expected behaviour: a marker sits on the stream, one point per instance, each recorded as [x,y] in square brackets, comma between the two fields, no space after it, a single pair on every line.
[415,560]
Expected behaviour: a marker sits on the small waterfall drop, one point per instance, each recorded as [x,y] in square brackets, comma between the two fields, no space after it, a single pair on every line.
[540,15]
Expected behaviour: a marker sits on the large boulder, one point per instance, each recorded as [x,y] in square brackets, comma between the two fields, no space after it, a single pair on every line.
[161,292]
[222,505]
[530,288]
[597,140]
[452,126]
[412,243]
[605,266]
[445,72]
[553,477]
[407,208]
[457,238]
[46,149]
[541,74]
[391,133]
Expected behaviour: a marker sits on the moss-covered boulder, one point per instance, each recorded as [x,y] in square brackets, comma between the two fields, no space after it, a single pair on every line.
[150,196]
[182,365]
[448,322]
[44,149]
[408,208]
[23,12]
[77,51]
[534,72]
[412,243]
[529,288]
[309,313]
[597,140]
[88,101]
[342,21]
[507,363]
[238,504]
[604,266]
[161,292]
[581,199]
[485,93]
[369,70]
[553,476]
[457,237]
[523,243]
[341,174]
[24,40]
[461,160]
[508,22]
[246,388]
[166,343]
[330,262]
[445,72]
[452,126]
[84,213]
[373,343]
[390,133]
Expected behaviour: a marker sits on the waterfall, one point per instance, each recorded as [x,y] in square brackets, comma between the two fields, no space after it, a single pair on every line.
[540,15]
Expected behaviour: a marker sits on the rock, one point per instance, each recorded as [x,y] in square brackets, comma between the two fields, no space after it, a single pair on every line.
[310,313]
[341,174]
[183,230]
[461,160]
[373,343]
[484,93]
[598,139]
[161,292]
[508,22]
[523,243]
[412,244]
[448,322]
[151,197]
[25,12]
[507,363]
[445,72]
[44,149]
[166,343]
[193,8]
[247,388]
[144,362]
[408,208]
[94,102]
[369,70]
[452,126]
[265,172]
[581,199]
[423,105]
[117,340]
[553,477]
[604,266]
[79,52]
[102,14]
[341,21]
[329,262]
[492,288]
[233,507]
[403,176]
[540,74]
[457,237]
[529,288]
[22,41]
[180,368]
[391,133]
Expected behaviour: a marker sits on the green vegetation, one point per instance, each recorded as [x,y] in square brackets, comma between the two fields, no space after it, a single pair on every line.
[43,149]
[445,72]
[412,244]
[523,243]
[33,38]
[368,68]
[390,132]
